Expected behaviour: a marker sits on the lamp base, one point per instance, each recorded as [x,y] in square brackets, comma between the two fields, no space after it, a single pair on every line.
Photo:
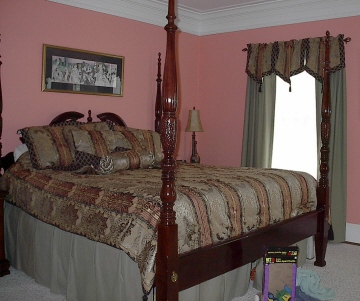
[195,158]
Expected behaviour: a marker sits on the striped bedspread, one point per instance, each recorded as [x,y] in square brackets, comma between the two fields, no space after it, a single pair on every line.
[123,209]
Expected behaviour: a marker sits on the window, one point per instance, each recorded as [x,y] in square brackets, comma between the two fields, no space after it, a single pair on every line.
[295,142]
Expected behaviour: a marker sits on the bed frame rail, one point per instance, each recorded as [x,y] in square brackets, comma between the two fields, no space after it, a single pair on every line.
[222,257]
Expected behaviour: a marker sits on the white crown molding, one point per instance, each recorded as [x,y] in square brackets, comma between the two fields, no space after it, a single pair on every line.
[276,13]
[151,12]
[273,13]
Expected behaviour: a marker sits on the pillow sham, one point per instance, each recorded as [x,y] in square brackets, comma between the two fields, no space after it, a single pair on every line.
[141,139]
[52,146]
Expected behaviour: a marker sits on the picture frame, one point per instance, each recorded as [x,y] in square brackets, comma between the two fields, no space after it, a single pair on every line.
[72,70]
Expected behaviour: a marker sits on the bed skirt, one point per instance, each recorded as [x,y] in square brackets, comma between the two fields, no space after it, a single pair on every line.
[84,270]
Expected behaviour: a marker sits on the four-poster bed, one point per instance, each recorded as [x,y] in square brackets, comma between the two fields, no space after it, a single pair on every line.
[177,272]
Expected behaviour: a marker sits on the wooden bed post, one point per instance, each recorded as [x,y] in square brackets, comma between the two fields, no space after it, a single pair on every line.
[323,190]
[1,119]
[158,106]
[166,280]
[4,263]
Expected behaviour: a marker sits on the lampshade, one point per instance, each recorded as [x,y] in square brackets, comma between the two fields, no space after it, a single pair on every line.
[194,122]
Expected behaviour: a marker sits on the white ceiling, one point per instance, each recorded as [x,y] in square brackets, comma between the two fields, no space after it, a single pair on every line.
[205,17]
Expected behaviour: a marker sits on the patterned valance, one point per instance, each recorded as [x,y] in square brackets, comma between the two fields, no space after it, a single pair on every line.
[289,58]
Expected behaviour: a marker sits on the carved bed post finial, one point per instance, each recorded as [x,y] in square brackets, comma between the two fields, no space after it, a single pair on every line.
[167,253]
[323,190]
[89,119]
[158,106]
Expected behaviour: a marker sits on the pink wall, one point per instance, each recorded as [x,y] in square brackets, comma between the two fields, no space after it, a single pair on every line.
[26,25]
[223,89]
[211,76]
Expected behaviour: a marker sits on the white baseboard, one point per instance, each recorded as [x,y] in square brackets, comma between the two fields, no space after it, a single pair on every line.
[353,233]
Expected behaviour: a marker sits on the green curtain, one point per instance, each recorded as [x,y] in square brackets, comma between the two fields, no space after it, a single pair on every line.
[285,59]
[259,123]
[259,131]
[338,151]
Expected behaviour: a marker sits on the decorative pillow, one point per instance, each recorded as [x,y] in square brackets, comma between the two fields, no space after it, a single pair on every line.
[99,143]
[51,146]
[97,126]
[130,159]
[47,146]
[121,141]
[141,139]
[85,159]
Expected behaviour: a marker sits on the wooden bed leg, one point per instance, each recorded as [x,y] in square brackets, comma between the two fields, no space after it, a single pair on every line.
[4,267]
[321,241]
[167,264]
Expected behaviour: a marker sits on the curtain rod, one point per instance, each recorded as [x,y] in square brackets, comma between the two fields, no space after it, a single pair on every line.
[346,40]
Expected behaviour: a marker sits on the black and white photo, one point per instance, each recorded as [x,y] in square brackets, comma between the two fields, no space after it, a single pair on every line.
[79,71]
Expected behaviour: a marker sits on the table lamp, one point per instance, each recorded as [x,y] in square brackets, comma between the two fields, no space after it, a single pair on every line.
[194,125]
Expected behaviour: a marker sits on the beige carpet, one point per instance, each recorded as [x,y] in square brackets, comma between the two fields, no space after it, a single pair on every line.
[342,273]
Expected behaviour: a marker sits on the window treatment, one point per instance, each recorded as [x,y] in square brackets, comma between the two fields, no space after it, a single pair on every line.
[286,59]
[289,58]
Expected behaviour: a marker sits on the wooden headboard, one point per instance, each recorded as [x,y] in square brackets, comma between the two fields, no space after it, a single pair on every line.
[75,116]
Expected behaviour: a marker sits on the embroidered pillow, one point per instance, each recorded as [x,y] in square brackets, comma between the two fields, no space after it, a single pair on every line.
[141,139]
[91,146]
[47,146]
[97,126]
[130,159]
[99,143]
[52,146]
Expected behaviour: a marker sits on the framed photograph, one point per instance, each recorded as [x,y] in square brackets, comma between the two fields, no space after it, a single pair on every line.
[79,71]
